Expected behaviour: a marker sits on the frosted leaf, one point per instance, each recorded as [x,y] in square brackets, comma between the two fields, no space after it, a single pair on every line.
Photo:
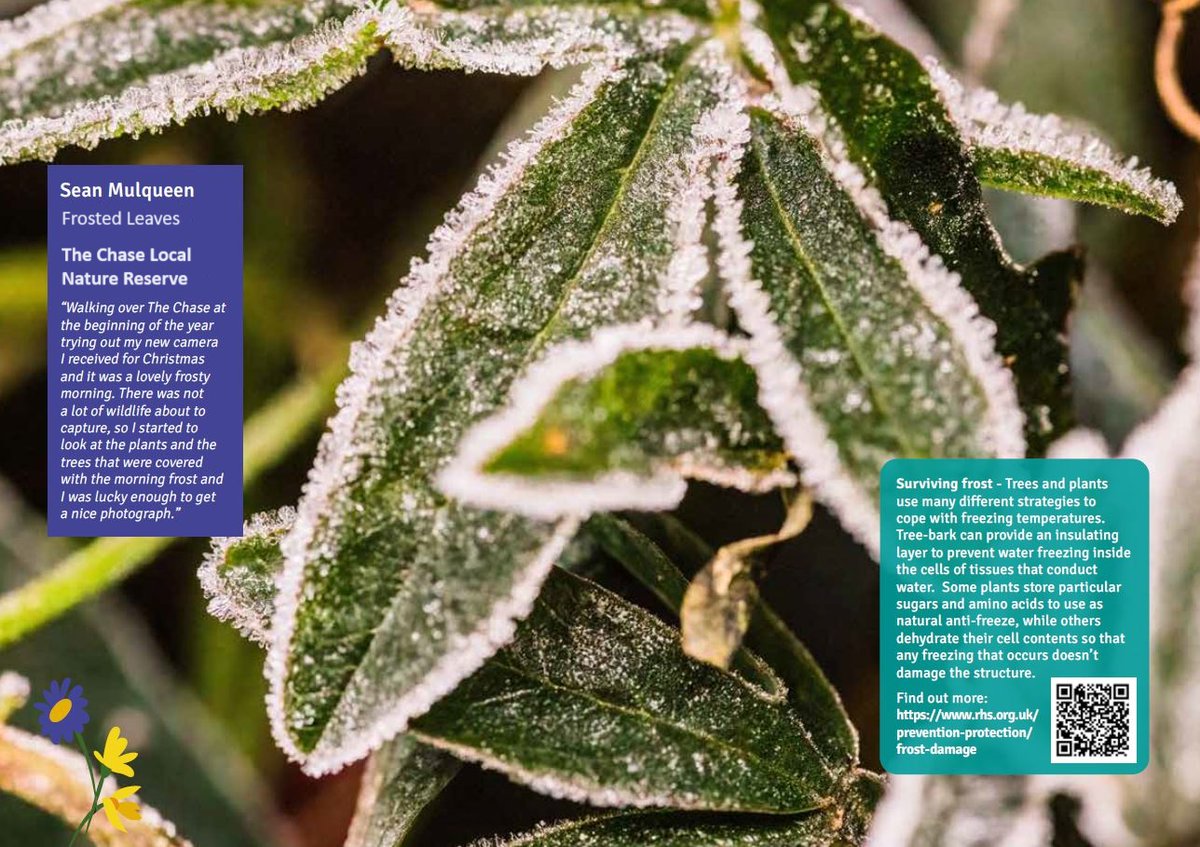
[128,69]
[720,601]
[77,73]
[882,103]
[843,823]
[14,692]
[400,592]
[864,345]
[595,701]
[55,779]
[525,39]
[1018,150]
[657,562]
[401,778]
[617,422]
[238,574]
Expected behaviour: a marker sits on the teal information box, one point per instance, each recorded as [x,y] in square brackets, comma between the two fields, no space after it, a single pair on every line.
[1014,616]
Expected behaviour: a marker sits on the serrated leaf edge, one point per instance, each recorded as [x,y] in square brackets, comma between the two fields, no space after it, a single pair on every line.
[985,121]
[465,479]
[341,452]
[220,605]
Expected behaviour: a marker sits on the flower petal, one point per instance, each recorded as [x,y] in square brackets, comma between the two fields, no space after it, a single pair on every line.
[110,812]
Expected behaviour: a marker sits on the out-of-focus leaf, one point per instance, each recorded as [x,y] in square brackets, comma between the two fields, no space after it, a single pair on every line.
[595,701]
[186,768]
[14,693]
[402,778]
[1121,373]
[963,811]
[55,779]
[1166,798]
[22,316]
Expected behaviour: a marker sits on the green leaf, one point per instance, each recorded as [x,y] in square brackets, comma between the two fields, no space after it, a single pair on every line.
[618,422]
[105,647]
[392,593]
[845,823]
[238,574]
[22,316]
[76,74]
[887,113]
[80,73]
[595,701]
[809,692]
[401,779]
[1015,150]
[1033,172]
[865,347]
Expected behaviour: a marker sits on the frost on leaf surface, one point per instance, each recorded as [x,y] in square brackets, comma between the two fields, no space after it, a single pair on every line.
[595,701]
[844,822]
[68,77]
[658,549]
[238,574]
[1017,150]
[75,73]
[895,127]
[393,593]
[402,778]
[618,421]
[862,350]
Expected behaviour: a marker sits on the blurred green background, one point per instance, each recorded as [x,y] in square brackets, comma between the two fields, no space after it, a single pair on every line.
[338,200]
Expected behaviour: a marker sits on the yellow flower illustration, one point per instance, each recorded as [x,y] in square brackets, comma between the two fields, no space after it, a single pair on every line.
[115,758]
[117,806]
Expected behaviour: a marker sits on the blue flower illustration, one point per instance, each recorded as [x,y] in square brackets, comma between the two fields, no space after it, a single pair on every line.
[62,712]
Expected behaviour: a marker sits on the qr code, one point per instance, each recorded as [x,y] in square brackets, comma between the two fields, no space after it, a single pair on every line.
[1094,720]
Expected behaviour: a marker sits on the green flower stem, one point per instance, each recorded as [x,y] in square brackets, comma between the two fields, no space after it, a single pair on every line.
[86,760]
[97,787]
[269,434]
